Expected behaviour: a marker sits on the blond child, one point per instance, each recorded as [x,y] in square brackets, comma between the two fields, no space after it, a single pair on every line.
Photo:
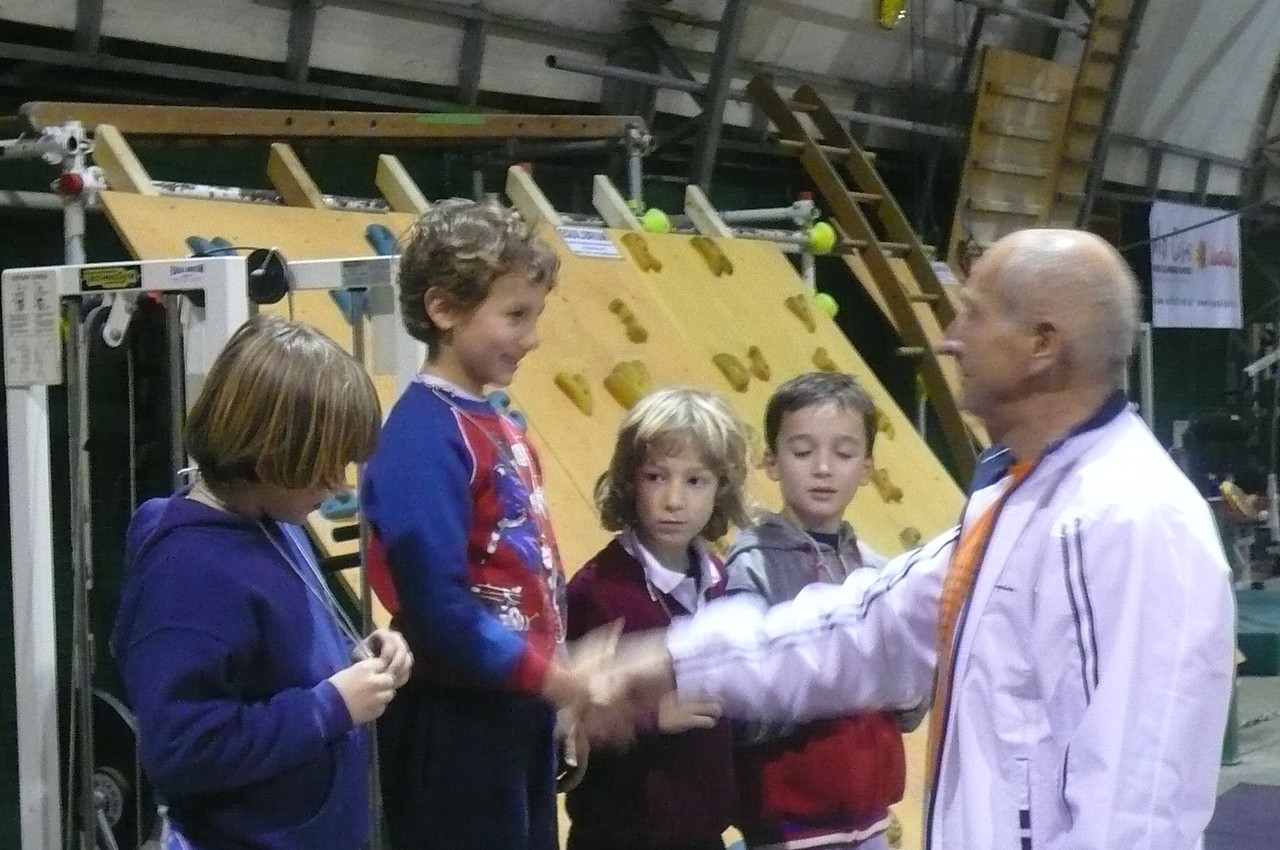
[674,484]
[461,551]
[236,658]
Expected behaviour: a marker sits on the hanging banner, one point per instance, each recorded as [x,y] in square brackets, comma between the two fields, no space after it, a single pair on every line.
[1195,275]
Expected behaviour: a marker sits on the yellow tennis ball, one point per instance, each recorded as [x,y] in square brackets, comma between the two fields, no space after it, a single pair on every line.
[655,220]
[821,238]
[826,304]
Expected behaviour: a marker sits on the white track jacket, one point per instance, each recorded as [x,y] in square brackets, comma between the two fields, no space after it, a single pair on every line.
[1093,662]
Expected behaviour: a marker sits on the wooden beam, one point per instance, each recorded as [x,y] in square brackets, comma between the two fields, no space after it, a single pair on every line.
[528,199]
[286,123]
[703,215]
[118,162]
[397,186]
[613,208]
[291,179]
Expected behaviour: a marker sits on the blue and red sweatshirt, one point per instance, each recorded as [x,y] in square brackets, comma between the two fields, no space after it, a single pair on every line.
[226,649]
[460,550]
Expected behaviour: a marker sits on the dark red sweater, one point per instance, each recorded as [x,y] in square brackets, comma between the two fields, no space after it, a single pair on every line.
[666,790]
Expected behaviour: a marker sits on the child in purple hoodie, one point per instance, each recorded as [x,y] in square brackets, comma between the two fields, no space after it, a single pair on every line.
[675,482]
[240,664]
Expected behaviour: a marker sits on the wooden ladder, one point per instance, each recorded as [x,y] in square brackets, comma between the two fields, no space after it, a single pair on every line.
[1080,167]
[897,271]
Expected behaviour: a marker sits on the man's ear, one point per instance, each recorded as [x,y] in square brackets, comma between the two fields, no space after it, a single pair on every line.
[1047,343]
[442,308]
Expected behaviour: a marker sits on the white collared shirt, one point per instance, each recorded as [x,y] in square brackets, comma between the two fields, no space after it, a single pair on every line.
[679,586]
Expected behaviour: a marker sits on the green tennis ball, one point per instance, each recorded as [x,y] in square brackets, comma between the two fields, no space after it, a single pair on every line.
[826,304]
[821,238]
[655,220]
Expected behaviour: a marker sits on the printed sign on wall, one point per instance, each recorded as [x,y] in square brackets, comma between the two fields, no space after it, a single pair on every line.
[1195,271]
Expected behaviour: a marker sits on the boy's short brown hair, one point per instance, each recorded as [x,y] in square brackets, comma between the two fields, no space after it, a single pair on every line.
[283,405]
[817,388]
[460,247]
[667,421]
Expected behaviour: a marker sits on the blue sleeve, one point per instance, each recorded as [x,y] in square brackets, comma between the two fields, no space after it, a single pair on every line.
[417,500]
[198,733]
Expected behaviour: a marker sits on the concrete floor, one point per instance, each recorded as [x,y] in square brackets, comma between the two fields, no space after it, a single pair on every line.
[1258,710]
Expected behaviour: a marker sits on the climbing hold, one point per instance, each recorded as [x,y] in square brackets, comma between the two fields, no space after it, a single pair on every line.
[889,492]
[639,250]
[883,424]
[713,255]
[499,399]
[733,370]
[759,366]
[628,382]
[910,537]
[799,307]
[636,332]
[823,361]
[755,447]
[339,506]
[575,386]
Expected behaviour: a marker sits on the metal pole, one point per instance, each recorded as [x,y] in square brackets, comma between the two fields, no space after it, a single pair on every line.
[722,68]
[81,746]
[173,305]
[612,72]
[1050,21]
[1146,374]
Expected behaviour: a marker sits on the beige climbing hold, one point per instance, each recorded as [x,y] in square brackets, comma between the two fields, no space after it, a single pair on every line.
[713,255]
[893,834]
[639,250]
[636,332]
[759,366]
[575,386]
[628,382]
[755,447]
[733,370]
[888,491]
[823,361]
[799,307]
[884,425]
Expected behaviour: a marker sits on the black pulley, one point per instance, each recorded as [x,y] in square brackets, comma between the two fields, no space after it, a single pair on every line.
[120,793]
[269,276]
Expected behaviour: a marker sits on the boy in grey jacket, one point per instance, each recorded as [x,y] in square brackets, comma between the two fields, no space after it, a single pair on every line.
[826,784]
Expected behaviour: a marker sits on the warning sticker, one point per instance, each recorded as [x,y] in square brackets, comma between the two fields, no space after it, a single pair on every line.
[99,278]
[589,242]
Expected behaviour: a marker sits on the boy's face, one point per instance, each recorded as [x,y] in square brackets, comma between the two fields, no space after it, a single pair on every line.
[819,461]
[675,498]
[285,505]
[486,345]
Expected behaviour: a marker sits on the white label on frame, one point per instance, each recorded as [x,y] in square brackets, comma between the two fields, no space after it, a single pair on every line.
[589,242]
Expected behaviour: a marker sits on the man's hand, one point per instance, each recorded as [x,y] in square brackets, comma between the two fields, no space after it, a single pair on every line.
[567,685]
[675,716]
[628,688]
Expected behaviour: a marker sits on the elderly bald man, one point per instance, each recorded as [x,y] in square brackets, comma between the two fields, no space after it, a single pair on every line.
[1075,631]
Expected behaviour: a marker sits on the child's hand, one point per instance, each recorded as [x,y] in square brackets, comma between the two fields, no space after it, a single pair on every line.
[676,716]
[391,647]
[366,687]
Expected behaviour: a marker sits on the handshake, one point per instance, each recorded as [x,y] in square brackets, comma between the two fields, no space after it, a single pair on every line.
[611,687]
